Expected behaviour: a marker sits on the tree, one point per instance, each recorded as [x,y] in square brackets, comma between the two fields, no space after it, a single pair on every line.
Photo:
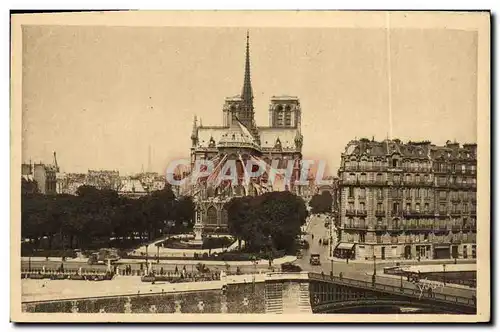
[321,203]
[267,222]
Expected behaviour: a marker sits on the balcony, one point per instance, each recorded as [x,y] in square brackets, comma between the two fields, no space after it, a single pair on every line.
[395,228]
[442,214]
[355,227]
[466,228]
[396,213]
[381,228]
[456,213]
[440,228]
[413,213]
[419,227]
[379,213]
[455,228]
[395,183]
[350,212]
[349,182]
[473,212]
[362,168]
[456,241]
[394,240]
[361,213]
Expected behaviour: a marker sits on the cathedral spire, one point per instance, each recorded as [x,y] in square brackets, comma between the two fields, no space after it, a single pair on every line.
[246,93]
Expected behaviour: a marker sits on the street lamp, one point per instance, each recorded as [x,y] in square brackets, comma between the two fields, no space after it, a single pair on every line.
[374,265]
[444,274]
[331,244]
[374,270]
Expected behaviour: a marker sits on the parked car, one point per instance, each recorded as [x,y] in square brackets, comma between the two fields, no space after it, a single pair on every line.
[289,267]
[103,256]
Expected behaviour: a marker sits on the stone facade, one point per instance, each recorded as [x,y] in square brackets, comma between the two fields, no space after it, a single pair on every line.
[407,200]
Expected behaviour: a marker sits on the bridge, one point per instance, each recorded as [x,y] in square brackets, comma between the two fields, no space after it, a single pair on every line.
[303,292]
[330,294]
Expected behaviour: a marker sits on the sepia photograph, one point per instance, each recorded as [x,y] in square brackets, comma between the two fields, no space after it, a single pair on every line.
[239,166]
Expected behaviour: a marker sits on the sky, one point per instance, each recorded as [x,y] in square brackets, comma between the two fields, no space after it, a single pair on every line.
[100,95]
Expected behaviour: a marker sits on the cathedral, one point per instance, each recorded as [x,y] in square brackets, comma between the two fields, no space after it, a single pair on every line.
[240,139]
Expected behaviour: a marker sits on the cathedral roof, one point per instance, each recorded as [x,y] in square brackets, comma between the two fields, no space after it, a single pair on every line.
[269,136]
[237,135]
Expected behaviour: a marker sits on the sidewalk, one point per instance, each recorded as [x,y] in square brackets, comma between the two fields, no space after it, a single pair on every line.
[260,263]
[405,261]
[450,285]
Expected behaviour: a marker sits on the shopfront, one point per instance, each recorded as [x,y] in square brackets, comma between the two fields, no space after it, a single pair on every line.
[442,251]
[344,250]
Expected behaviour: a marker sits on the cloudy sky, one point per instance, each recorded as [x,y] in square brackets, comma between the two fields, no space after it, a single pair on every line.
[99,96]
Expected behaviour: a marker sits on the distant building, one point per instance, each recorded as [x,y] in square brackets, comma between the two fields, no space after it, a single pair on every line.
[407,201]
[132,188]
[45,176]
[68,183]
[103,179]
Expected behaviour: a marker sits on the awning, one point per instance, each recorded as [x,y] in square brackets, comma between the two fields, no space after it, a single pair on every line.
[441,246]
[345,246]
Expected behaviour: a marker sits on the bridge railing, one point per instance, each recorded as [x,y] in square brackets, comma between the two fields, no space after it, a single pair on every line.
[413,292]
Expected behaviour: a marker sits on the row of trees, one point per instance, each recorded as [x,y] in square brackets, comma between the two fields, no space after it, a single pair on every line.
[267,222]
[95,214]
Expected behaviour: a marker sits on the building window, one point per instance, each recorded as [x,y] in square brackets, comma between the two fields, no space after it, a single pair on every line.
[379,207]
[379,177]
[362,206]
[474,251]
[351,192]
[351,222]
[417,192]
[408,177]
[379,193]
[363,177]
[362,222]
[395,207]
[408,207]
[442,194]
[417,207]
[362,237]
[362,193]
[408,192]
[288,118]
[465,208]
[426,207]
[442,208]
[396,177]
[394,163]
[379,221]
[351,206]
[463,168]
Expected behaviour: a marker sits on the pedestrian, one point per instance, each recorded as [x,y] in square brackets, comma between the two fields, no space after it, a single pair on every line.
[161,271]
[176,270]
[347,259]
